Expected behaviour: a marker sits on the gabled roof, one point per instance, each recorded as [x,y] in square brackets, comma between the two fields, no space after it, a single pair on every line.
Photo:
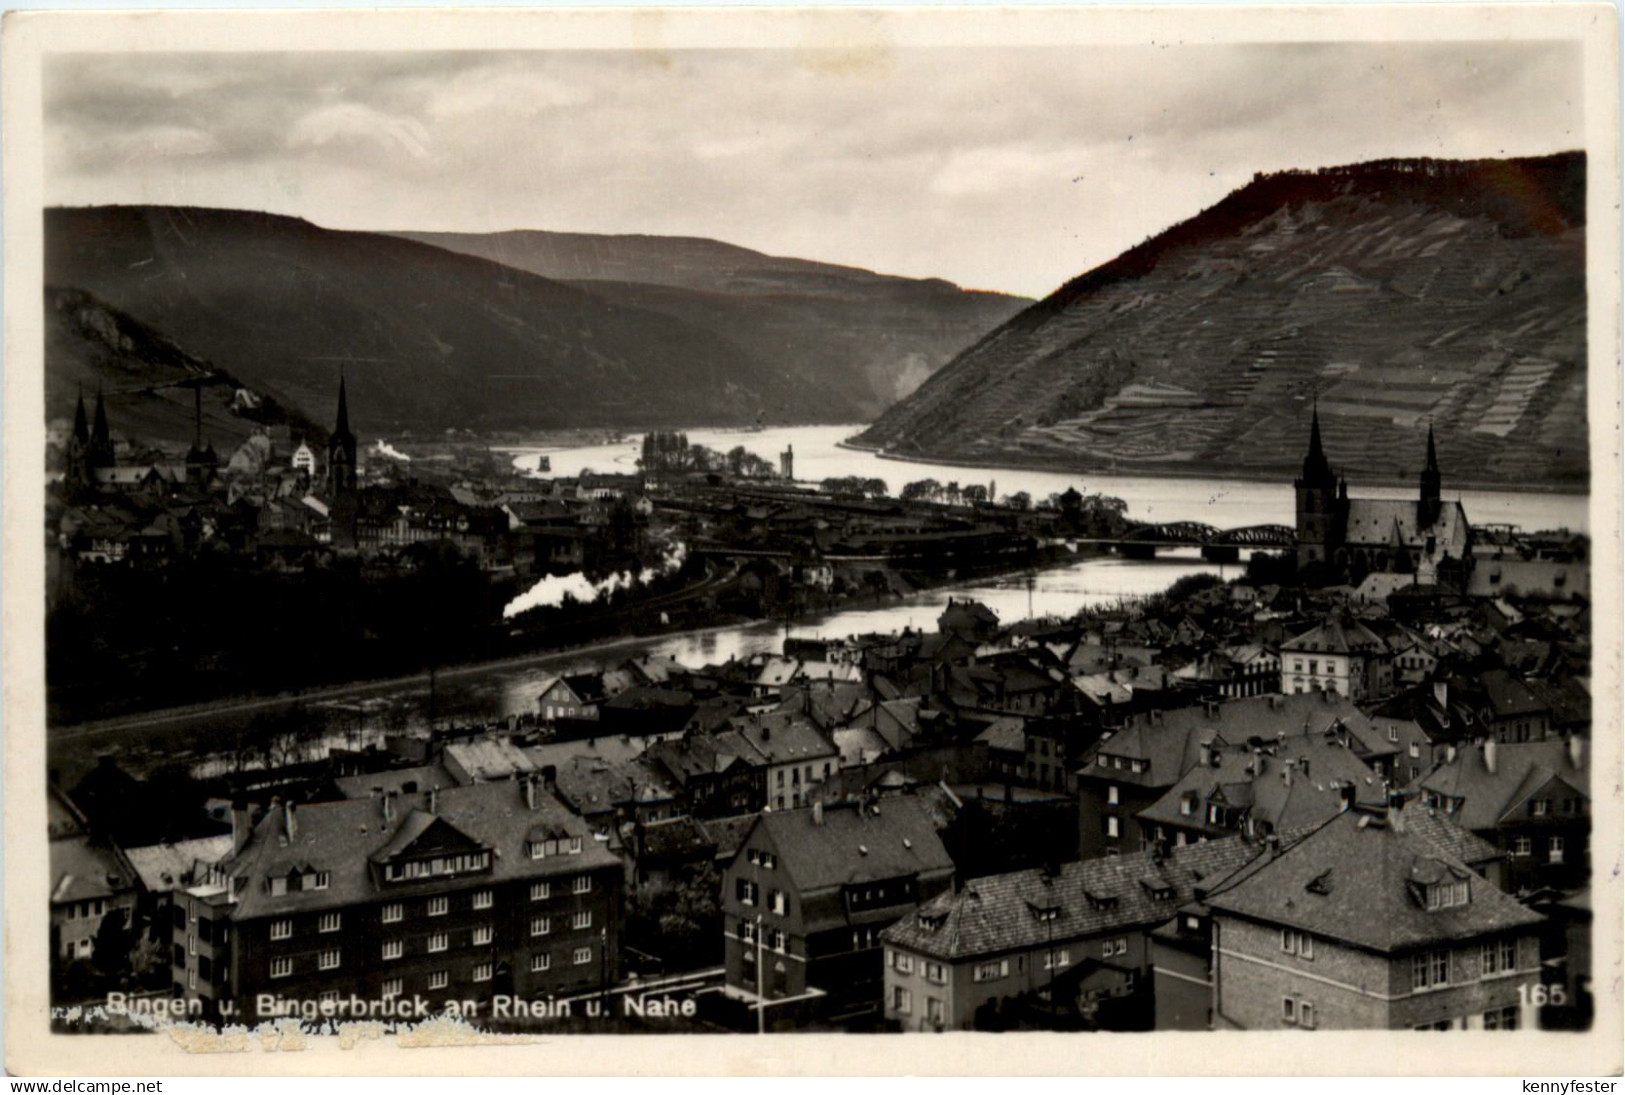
[1485,795]
[1170,740]
[1026,909]
[857,843]
[1358,880]
[1258,784]
[166,867]
[343,837]
[1337,634]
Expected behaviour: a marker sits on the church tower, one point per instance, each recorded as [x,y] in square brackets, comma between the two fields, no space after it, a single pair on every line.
[1428,506]
[1322,502]
[341,466]
[101,439]
[787,463]
[80,476]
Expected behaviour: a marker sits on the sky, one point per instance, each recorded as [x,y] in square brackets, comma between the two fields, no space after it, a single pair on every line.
[1008,168]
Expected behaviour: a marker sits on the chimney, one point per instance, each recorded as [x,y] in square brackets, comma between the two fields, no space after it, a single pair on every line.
[1441,694]
[1576,750]
[818,812]
[1489,755]
[291,821]
[1286,769]
[241,826]
[389,807]
[1396,811]
[1450,754]
[530,793]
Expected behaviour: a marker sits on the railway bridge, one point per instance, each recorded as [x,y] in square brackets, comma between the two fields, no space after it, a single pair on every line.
[1218,545]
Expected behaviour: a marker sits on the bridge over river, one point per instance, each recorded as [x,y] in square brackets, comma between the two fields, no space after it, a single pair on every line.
[1217,545]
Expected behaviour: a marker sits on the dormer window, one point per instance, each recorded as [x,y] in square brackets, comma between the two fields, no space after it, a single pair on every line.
[1447,895]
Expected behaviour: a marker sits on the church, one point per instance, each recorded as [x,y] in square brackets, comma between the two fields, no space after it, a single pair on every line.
[1428,537]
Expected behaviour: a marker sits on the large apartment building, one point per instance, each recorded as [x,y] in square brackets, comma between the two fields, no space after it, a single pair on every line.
[403,901]
[1368,924]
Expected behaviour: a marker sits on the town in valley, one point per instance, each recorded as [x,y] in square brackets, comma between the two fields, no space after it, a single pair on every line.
[534,537]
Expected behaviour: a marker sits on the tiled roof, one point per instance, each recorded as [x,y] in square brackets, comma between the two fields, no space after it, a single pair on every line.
[1449,837]
[776,739]
[1487,795]
[1170,740]
[857,843]
[1336,635]
[400,780]
[341,837]
[486,759]
[1005,912]
[165,867]
[1259,784]
[1358,879]
[82,869]
[1008,733]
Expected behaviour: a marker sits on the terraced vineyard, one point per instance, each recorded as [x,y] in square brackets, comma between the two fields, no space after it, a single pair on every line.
[1396,293]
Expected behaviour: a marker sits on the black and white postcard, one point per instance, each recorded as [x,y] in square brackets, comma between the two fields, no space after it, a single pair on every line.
[1099,526]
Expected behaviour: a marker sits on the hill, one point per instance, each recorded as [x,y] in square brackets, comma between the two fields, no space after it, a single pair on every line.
[1400,292]
[147,380]
[865,339]
[429,339]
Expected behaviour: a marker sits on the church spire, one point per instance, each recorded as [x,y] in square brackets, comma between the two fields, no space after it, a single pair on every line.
[342,429]
[1428,506]
[1317,470]
[101,437]
[81,426]
[1433,456]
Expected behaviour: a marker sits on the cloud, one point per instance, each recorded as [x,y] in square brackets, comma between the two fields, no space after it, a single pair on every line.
[1002,168]
[355,125]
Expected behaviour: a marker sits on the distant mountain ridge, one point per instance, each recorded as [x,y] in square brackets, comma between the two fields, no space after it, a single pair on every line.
[867,338]
[431,339]
[1397,292]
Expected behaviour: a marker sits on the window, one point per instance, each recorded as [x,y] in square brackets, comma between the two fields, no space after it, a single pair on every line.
[482,935]
[1057,959]
[1416,750]
[1111,795]
[329,960]
[581,920]
[1289,1010]
[902,963]
[777,940]
[1441,967]
[1299,943]
[1554,850]
[281,929]
[329,922]
[281,967]
[933,1009]
[746,891]
[581,884]
[438,942]
[747,934]
[1122,947]
[541,925]
[777,902]
[391,988]
[323,878]
[582,955]
[1522,846]
[541,963]
[439,979]
[1306,1015]
[1111,828]
[1447,895]
[439,906]
[540,891]
[935,973]
[393,912]
[575,845]
[482,899]
[1430,969]
[482,971]
[902,1001]
[1393,735]
[1542,806]
[991,971]
[1509,954]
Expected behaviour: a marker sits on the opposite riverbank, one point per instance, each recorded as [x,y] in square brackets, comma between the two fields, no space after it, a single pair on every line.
[1007,461]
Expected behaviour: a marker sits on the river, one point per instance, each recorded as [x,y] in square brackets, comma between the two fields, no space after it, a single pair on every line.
[479,693]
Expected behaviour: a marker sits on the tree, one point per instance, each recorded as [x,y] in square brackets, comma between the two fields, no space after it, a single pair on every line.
[922,490]
[1020,500]
[110,952]
[974,494]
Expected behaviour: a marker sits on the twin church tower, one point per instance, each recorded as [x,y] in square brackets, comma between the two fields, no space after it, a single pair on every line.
[1369,534]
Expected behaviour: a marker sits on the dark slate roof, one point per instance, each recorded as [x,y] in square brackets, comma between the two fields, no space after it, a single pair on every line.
[1507,696]
[857,843]
[1171,740]
[340,837]
[1367,876]
[1001,913]
[1258,783]
[1487,795]
[1449,837]
[1336,635]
